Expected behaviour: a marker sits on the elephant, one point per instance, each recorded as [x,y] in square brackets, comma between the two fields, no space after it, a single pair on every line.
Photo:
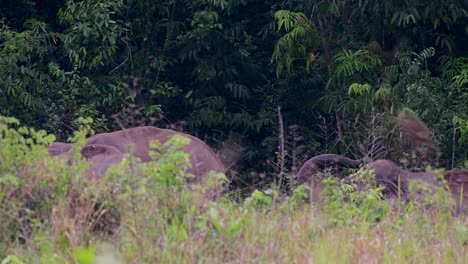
[100,157]
[320,162]
[390,175]
[102,150]
[394,179]
[308,173]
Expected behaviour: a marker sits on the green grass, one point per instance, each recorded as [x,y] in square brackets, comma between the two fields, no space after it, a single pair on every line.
[50,214]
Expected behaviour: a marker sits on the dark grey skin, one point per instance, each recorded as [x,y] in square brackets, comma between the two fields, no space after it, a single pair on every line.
[321,162]
[100,158]
[394,179]
[136,141]
[310,171]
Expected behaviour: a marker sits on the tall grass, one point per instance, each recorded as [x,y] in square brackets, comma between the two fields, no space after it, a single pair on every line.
[49,213]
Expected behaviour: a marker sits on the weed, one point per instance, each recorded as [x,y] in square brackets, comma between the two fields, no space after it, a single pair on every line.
[147,213]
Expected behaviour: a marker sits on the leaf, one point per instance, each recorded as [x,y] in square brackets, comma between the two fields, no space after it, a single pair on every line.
[84,255]
[292,44]
[359,89]
[382,93]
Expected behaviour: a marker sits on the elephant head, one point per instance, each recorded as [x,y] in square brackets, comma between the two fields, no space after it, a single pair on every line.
[310,172]
[100,157]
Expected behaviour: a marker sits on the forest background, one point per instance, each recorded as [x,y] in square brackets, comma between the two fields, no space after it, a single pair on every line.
[306,77]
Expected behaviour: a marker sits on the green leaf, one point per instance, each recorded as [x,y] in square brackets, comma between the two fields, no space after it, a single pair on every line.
[84,255]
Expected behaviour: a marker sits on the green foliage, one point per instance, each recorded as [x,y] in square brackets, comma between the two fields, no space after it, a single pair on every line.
[225,5]
[31,191]
[159,202]
[295,43]
[222,226]
[441,15]
[38,87]
[398,70]
[37,189]
[359,66]
[214,65]
[258,199]
[20,52]
[93,37]
[425,196]
[462,126]
[298,198]
[151,215]
[455,69]
[350,63]
[359,89]
[462,78]
[287,20]
[219,68]
[345,205]
[85,255]
[11,260]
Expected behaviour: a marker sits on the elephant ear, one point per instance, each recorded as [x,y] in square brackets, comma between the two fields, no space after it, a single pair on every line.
[91,151]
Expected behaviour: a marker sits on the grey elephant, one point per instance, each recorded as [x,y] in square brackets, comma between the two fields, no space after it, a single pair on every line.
[103,150]
[394,179]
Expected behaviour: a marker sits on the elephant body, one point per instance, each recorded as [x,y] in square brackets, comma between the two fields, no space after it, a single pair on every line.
[387,173]
[104,149]
[394,179]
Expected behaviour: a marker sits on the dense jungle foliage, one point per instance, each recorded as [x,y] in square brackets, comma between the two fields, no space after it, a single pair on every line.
[306,77]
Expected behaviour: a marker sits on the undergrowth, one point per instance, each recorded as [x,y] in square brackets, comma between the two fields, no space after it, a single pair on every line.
[146,213]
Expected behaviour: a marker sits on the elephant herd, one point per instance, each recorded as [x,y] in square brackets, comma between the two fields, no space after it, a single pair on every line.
[103,150]
[394,179]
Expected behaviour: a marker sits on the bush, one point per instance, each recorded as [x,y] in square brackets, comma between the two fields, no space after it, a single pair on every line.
[47,202]
[345,204]
[146,213]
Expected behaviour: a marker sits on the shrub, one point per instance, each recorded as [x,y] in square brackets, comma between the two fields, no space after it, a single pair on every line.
[49,206]
[146,213]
